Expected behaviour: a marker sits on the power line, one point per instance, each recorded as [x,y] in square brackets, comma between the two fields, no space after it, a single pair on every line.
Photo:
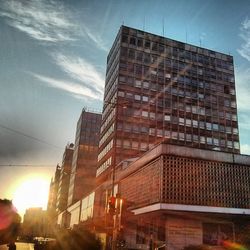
[26,165]
[29,136]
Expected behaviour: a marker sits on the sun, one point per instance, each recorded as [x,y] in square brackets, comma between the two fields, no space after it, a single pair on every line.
[31,192]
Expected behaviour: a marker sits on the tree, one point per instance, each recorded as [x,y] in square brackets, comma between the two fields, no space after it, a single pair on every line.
[9,223]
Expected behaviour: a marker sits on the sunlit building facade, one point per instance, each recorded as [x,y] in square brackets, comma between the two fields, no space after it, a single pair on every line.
[158,89]
[84,161]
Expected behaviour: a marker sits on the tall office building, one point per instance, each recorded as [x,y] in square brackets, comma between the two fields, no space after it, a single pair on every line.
[84,162]
[157,90]
[63,185]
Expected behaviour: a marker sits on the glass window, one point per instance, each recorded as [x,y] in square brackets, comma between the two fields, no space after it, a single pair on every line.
[167,118]
[145,113]
[209,140]
[145,98]
[121,93]
[126,144]
[137,83]
[137,97]
[181,136]
[135,144]
[145,85]
[202,139]
[159,132]
[195,123]
[144,145]
[152,115]
[152,131]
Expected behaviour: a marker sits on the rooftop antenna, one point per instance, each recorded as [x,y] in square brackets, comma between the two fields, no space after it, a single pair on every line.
[200,39]
[143,23]
[186,35]
[163,27]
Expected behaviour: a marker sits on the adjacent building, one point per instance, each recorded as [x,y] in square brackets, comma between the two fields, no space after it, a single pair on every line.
[84,162]
[63,186]
[36,223]
[53,192]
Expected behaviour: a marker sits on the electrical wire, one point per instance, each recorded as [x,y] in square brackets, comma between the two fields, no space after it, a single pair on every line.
[29,136]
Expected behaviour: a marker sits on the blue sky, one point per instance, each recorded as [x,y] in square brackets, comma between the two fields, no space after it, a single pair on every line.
[53,60]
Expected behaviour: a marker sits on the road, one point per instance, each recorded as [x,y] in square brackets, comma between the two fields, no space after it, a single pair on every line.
[19,246]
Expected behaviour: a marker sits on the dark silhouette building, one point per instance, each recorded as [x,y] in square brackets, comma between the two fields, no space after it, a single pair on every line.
[63,186]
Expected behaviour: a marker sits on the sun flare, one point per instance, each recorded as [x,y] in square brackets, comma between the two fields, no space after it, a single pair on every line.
[31,192]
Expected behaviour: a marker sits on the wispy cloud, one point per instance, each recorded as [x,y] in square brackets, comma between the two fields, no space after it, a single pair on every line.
[45,20]
[244,50]
[48,21]
[242,87]
[81,70]
[75,89]
[94,38]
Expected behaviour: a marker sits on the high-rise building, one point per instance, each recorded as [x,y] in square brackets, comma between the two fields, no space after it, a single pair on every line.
[157,90]
[84,162]
[63,186]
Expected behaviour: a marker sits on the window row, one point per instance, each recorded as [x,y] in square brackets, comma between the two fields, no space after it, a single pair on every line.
[104,166]
[136,144]
[105,150]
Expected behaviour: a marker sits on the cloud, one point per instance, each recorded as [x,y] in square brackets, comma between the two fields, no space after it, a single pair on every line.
[242,77]
[94,38]
[244,50]
[245,149]
[43,20]
[75,89]
[47,21]
[81,70]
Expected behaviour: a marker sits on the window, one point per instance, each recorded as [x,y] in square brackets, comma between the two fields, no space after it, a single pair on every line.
[121,93]
[152,115]
[195,123]
[202,139]
[118,143]
[174,135]
[188,122]
[137,97]
[209,140]
[126,144]
[181,136]
[132,41]
[145,85]
[167,118]
[152,131]
[137,83]
[135,144]
[208,126]
[144,145]
[147,44]
[181,121]
[215,127]
[145,98]
[144,113]
[216,142]
[236,145]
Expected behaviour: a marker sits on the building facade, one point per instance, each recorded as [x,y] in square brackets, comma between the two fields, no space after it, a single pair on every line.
[158,89]
[63,185]
[180,196]
[84,162]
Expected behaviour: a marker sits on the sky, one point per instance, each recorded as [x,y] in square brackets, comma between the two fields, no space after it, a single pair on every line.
[53,59]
